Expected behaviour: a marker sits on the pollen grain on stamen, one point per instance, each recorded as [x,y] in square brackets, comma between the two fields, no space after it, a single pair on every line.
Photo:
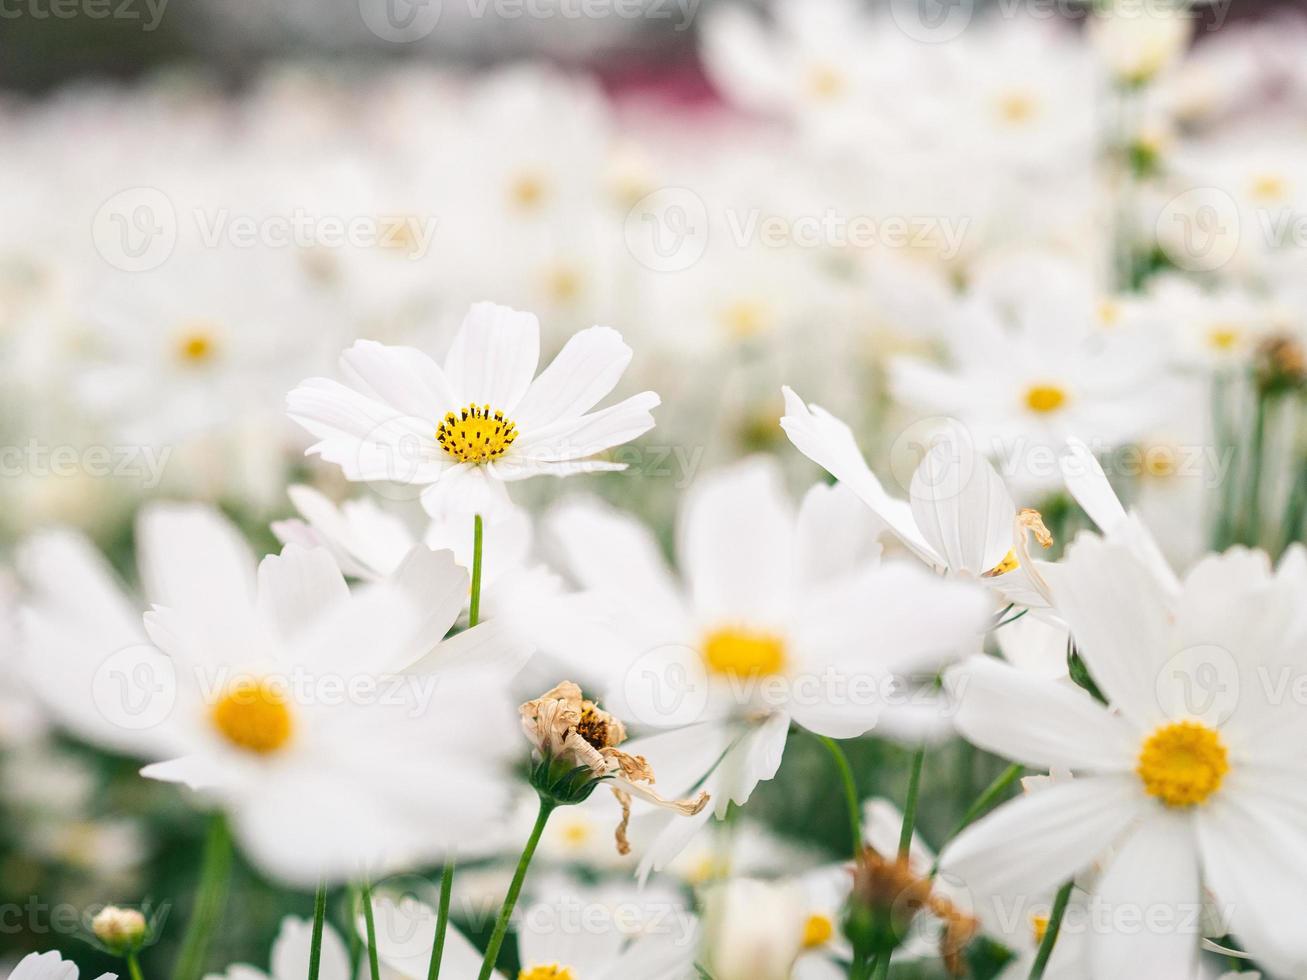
[476,434]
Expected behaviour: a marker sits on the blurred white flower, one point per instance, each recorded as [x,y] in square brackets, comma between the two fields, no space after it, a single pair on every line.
[753,930]
[49,966]
[289,959]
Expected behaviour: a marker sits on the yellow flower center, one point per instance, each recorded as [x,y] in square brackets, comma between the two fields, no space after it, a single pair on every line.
[1008,564]
[197,345]
[1223,337]
[1183,763]
[1039,926]
[575,833]
[1109,312]
[476,434]
[708,868]
[1017,107]
[1269,187]
[563,283]
[551,972]
[817,931]
[825,82]
[527,192]
[253,715]
[1160,461]
[743,653]
[745,319]
[1045,398]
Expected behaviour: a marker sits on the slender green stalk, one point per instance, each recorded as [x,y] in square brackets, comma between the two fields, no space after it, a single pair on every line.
[374,967]
[134,967]
[442,919]
[850,790]
[319,920]
[1252,504]
[474,606]
[210,897]
[1050,934]
[514,889]
[910,806]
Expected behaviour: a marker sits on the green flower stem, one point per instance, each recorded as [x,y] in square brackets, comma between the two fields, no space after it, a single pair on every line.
[514,889]
[474,606]
[1253,501]
[319,920]
[134,967]
[850,790]
[983,802]
[442,919]
[910,806]
[210,897]
[374,967]
[1050,934]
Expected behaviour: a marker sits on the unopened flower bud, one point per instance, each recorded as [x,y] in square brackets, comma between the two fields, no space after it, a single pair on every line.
[121,930]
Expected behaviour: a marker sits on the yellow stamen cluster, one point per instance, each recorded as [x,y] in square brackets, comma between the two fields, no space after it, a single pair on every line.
[745,318]
[196,345]
[1045,398]
[1223,337]
[1017,107]
[476,434]
[817,931]
[739,652]
[551,972]
[527,192]
[253,715]
[1008,564]
[1269,187]
[1183,763]
[1039,926]
[825,82]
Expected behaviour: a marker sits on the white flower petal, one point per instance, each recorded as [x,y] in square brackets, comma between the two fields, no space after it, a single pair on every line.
[586,435]
[1036,721]
[1150,899]
[585,370]
[402,377]
[493,357]
[296,588]
[290,952]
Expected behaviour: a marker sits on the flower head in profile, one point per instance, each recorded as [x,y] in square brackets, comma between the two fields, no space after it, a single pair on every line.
[463,429]
[577,744]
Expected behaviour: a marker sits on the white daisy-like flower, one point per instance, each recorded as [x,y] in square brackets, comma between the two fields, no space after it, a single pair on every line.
[959,517]
[49,966]
[290,955]
[271,685]
[1192,782]
[463,429]
[783,614]
[753,929]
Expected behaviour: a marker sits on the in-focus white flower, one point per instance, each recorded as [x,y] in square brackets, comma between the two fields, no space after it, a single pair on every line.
[1191,779]
[290,955]
[783,614]
[463,429]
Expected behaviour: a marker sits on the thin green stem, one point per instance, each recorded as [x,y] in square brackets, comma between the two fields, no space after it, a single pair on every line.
[134,967]
[514,889]
[374,966]
[1050,934]
[474,606]
[910,806]
[851,798]
[983,802]
[319,921]
[442,919]
[210,897]
[1253,503]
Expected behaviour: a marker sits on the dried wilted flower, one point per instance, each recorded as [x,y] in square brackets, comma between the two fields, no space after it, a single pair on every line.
[577,741]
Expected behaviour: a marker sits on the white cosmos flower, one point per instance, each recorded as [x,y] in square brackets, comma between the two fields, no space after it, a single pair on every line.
[569,934]
[271,685]
[49,966]
[1193,779]
[290,955]
[753,929]
[783,614]
[462,429]
[959,518]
